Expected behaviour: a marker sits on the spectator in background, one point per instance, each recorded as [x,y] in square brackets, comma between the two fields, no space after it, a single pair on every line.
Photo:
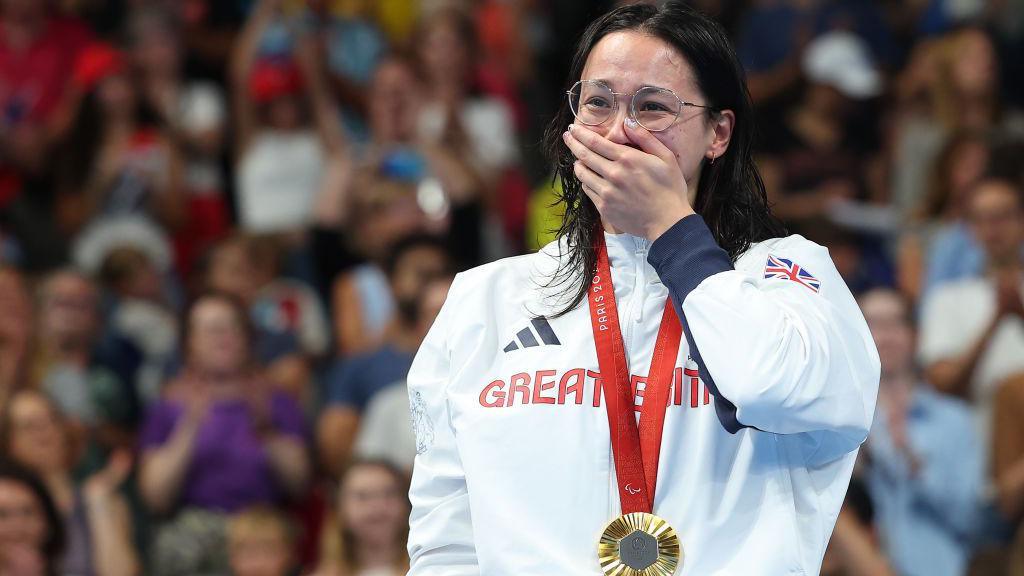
[289,323]
[283,140]
[260,541]
[972,330]
[927,516]
[117,161]
[358,214]
[89,379]
[814,155]
[949,84]
[455,114]
[194,113]
[221,440]
[352,46]
[15,331]
[37,54]
[352,382]
[385,211]
[477,127]
[1008,457]
[97,522]
[138,313]
[31,532]
[367,533]
[384,430]
[770,43]
[853,549]
[939,246]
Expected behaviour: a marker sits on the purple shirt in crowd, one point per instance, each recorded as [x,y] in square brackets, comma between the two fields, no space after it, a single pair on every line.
[230,468]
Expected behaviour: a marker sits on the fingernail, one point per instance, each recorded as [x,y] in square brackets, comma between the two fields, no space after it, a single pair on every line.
[631,123]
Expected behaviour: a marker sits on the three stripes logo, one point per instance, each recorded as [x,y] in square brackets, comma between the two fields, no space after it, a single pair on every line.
[528,337]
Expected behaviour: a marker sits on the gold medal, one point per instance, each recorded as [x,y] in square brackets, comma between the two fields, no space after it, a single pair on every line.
[639,544]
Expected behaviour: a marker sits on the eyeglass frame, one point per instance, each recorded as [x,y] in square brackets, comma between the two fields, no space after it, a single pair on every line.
[632,109]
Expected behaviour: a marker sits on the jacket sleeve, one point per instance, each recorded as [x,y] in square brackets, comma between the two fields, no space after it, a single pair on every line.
[440,528]
[779,355]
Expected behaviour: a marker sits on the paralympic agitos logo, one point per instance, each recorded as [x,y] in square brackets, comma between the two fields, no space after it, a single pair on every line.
[579,386]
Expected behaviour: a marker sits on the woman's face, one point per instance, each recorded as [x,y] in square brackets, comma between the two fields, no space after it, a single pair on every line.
[627,61]
[217,341]
[260,555]
[974,70]
[393,105]
[158,51]
[116,96]
[414,270]
[232,271]
[285,113]
[22,520]
[371,503]
[445,56]
[37,438]
[886,315]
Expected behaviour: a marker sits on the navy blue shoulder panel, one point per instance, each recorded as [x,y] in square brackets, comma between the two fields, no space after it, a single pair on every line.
[684,256]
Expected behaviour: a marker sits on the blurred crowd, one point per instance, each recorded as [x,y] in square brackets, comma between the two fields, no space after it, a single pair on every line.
[226,226]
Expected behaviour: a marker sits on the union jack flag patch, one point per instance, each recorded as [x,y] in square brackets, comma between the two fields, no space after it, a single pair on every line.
[784,269]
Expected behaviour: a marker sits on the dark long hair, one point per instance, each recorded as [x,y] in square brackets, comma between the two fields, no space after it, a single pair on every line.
[53,543]
[730,196]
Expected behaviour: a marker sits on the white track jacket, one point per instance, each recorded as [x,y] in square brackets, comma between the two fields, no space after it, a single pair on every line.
[773,393]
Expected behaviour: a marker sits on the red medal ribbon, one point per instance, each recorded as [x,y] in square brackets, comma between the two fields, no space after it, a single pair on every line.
[635,448]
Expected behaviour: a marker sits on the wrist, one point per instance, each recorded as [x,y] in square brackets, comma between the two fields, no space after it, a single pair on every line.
[662,225]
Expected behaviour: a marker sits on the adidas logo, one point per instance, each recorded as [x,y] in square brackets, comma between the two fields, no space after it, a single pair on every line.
[527,337]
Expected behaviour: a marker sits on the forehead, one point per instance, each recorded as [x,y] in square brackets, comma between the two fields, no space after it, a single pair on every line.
[29,402]
[628,60]
[367,476]
[69,284]
[212,309]
[882,306]
[993,194]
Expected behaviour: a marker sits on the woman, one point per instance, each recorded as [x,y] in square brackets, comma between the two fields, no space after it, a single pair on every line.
[194,114]
[31,533]
[287,131]
[950,84]
[96,517]
[938,247]
[118,161]
[762,406]
[368,532]
[476,126]
[218,442]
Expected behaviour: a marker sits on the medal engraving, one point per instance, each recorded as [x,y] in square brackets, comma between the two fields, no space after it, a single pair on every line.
[639,550]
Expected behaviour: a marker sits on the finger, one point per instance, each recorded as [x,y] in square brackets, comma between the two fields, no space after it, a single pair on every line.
[598,143]
[119,466]
[594,198]
[647,142]
[592,159]
[589,179]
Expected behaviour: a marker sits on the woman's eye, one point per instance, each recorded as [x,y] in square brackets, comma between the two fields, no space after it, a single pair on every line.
[653,107]
[597,102]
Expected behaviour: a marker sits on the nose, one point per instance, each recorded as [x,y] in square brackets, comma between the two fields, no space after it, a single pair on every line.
[616,127]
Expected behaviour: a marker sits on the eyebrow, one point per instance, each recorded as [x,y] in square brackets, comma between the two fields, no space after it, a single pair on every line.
[609,84]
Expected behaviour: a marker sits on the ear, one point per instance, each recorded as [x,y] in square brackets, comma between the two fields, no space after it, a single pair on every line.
[722,125]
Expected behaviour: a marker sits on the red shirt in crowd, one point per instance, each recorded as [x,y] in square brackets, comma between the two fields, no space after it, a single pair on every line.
[33,78]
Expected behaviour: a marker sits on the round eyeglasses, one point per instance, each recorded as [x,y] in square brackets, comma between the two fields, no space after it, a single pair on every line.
[656,109]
